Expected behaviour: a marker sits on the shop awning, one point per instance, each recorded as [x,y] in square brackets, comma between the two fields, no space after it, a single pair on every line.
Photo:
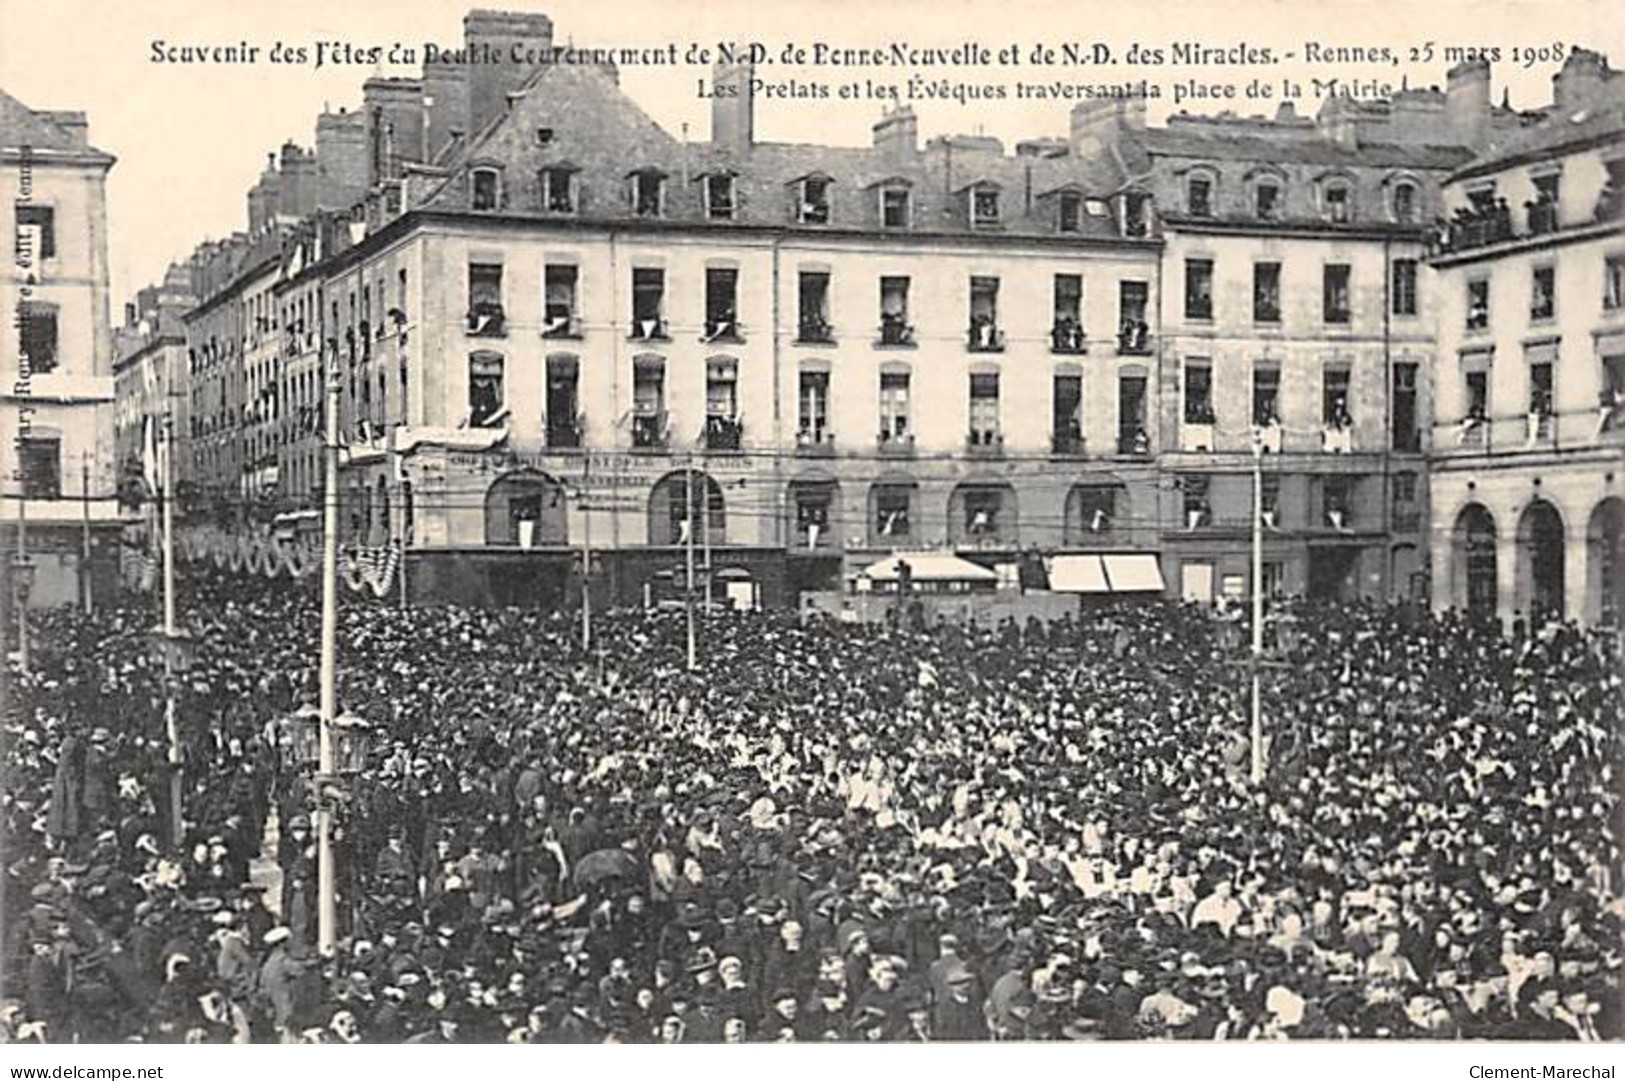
[1134,573]
[930,567]
[1078,574]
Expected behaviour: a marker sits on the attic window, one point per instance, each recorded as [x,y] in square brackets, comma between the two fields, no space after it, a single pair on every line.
[647,194]
[1199,196]
[1338,203]
[814,201]
[984,207]
[719,197]
[1071,211]
[894,207]
[559,190]
[1405,203]
[486,193]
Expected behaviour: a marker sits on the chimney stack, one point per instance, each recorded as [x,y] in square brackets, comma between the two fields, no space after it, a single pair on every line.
[341,160]
[1467,103]
[733,106]
[1096,125]
[897,134]
[503,48]
[445,106]
[1580,80]
[394,118]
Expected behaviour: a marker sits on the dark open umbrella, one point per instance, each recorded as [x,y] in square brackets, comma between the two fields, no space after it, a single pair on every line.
[603,864]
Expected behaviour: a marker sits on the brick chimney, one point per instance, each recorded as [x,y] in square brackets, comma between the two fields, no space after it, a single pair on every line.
[1467,103]
[395,125]
[733,109]
[897,134]
[264,197]
[297,185]
[341,160]
[1580,80]
[445,105]
[491,39]
[1096,125]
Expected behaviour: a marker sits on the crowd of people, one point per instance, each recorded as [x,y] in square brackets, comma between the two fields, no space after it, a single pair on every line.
[826,832]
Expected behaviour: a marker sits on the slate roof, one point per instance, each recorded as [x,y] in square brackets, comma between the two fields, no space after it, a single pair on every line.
[1600,120]
[597,129]
[20,125]
[1307,148]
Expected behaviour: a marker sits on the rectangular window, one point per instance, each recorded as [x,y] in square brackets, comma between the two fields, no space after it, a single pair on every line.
[1406,436]
[36,232]
[1335,293]
[1198,391]
[1198,289]
[1067,425]
[485,314]
[1334,398]
[894,208]
[984,409]
[982,507]
[1133,332]
[1132,437]
[1071,212]
[1478,395]
[1337,501]
[1067,329]
[1136,221]
[1267,202]
[1200,197]
[648,194]
[721,303]
[1266,395]
[984,207]
[722,424]
[1540,389]
[1097,506]
[1194,489]
[648,302]
[813,291]
[984,314]
[1543,293]
[1613,283]
[648,405]
[814,408]
[40,462]
[894,393]
[719,197]
[37,336]
[487,193]
[1269,498]
[1406,513]
[815,201]
[891,511]
[894,325]
[559,290]
[1338,204]
[485,400]
[563,403]
[1543,209]
[1403,292]
[1266,292]
[559,191]
[1478,303]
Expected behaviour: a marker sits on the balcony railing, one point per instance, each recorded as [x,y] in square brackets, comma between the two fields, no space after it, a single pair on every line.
[649,431]
[721,330]
[649,329]
[486,320]
[565,434]
[1134,339]
[561,325]
[896,332]
[986,443]
[723,433]
[815,332]
[1067,337]
[815,442]
[985,338]
[899,444]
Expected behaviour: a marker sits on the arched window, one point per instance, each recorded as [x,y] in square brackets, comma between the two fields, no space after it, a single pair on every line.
[1405,201]
[1337,198]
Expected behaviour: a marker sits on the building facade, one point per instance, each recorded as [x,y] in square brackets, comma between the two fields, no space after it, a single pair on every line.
[1528,450]
[56,372]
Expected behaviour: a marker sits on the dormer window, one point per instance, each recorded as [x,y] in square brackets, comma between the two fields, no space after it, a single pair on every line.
[1267,200]
[485,192]
[1136,214]
[1199,196]
[984,207]
[894,207]
[719,197]
[814,207]
[559,189]
[1405,202]
[646,193]
[1337,201]
[1071,212]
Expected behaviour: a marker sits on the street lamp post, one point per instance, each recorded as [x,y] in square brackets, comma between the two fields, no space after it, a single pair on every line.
[1258,607]
[325,886]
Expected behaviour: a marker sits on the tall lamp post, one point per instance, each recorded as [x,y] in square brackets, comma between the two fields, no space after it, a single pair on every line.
[1257,771]
[325,885]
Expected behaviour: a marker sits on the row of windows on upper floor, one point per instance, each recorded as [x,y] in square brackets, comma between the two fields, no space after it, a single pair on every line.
[1543,293]
[984,331]
[1487,218]
[1337,307]
[1334,199]
[810,201]
[1539,406]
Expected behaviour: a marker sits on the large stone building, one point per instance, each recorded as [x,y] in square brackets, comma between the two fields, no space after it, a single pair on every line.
[1529,426]
[56,377]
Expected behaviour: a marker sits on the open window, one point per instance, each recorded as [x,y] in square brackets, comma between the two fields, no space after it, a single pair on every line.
[646,193]
[649,303]
[813,204]
[485,188]
[559,300]
[895,328]
[559,189]
[719,194]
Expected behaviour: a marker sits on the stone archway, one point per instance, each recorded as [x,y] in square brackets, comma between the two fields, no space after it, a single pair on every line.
[678,498]
[1539,581]
[1473,562]
[526,508]
[1605,563]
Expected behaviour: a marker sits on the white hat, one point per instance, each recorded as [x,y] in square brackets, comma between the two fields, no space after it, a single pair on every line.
[277,934]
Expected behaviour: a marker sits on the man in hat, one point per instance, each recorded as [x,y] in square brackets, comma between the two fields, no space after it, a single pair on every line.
[960,1015]
[277,975]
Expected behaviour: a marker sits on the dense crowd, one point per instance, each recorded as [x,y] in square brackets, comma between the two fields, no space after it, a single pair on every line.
[828,831]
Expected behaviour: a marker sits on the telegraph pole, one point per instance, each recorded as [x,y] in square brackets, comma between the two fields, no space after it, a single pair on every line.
[688,558]
[586,556]
[1258,606]
[84,556]
[172,730]
[329,674]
